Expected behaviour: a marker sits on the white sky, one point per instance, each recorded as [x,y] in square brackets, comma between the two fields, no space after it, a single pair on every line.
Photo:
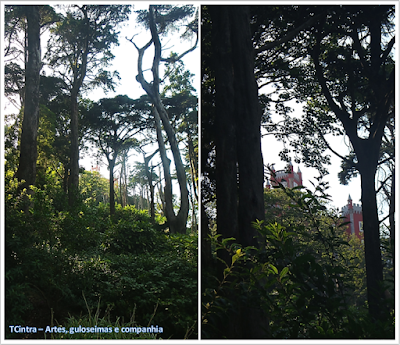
[339,193]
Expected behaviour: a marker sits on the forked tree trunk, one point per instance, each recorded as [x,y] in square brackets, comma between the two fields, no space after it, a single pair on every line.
[367,151]
[177,223]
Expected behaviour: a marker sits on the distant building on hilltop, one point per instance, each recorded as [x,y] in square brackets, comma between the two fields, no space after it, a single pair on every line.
[353,215]
[287,177]
[352,212]
[95,168]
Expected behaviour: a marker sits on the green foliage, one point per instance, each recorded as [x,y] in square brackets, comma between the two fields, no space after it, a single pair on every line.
[120,264]
[12,128]
[132,233]
[34,257]
[93,188]
[168,18]
[82,40]
[306,276]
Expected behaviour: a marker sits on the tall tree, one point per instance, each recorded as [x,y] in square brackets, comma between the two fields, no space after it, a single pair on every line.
[79,50]
[346,77]
[231,118]
[54,101]
[23,63]
[16,47]
[239,165]
[238,121]
[181,104]
[28,147]
[113,124]
[160,19]
[373,72]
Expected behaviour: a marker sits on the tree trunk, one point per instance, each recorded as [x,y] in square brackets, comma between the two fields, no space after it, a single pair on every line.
[392,208]
[169,207]
[238,146]
[373,259]
[194,218]
[28,146]
[151,186]
[193,165]
[79,75]
[111,163]
[248,127]
[125,184]
[73,181]
[120,189]
[206,256]
[368,151]
[161,193]
[123,180]
[177,222]
[65,178]
[226,161]
[149,174]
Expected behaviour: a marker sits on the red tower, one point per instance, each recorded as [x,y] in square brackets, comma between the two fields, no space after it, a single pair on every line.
[287,177]
[353,215]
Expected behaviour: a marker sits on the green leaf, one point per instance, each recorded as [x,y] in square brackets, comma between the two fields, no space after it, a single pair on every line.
[237,255]
[284,272]
[226,271]
[273,268]
[225,240]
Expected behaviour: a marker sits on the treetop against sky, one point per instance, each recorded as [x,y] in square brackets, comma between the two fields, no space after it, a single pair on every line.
[125,63]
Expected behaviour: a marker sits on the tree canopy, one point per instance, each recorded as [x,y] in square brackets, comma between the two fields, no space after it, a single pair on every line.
[338,63]
[83,250]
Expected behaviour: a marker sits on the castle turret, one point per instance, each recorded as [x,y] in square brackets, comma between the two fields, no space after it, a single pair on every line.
[300,176]
[353,214]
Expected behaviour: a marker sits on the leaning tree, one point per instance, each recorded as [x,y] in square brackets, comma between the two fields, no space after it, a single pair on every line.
[160,19]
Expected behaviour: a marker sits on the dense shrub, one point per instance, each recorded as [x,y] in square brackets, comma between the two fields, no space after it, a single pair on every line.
[305,277]
[132,232]
[56,255]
